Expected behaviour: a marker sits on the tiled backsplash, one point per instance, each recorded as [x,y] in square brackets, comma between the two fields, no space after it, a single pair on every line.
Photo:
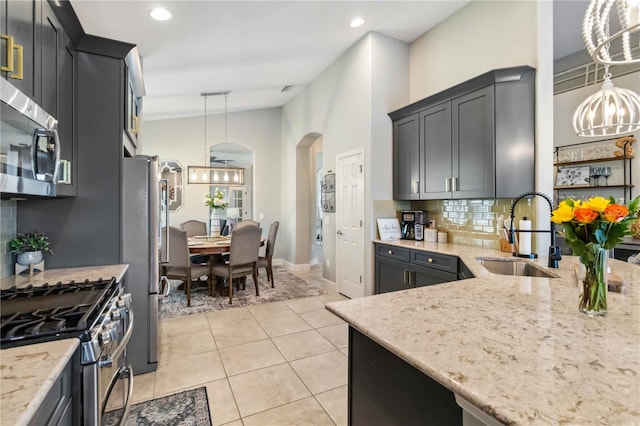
[470,222]
[8,222]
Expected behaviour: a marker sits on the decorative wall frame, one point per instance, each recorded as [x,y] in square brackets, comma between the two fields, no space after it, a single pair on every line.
[171,170]
[328,193]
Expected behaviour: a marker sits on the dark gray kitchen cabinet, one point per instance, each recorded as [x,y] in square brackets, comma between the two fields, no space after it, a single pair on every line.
[406,158]
[386,390]
[472,142]
[399,268]
[61,406]
[18,26]
[435,161]
[475,140]
[67,178]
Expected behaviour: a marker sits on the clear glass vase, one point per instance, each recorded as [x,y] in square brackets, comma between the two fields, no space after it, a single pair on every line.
[593,295]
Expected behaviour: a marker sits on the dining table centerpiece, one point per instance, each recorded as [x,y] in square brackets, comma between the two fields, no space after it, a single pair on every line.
[216,202]
[591,228]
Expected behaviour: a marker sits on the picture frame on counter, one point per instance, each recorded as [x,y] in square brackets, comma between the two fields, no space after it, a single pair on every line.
[389,228]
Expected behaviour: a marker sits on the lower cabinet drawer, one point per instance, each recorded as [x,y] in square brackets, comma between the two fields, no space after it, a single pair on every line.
[438,261]
[393,252]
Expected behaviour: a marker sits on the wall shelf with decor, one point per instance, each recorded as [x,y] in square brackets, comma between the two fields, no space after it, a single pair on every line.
[595,168]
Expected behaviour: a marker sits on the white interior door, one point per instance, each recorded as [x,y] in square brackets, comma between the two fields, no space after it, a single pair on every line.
[349,223]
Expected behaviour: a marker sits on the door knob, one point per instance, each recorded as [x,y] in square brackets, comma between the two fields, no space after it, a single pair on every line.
[339,232]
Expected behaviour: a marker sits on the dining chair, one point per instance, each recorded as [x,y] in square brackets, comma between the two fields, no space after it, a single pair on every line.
[194,228]
[179,266]
[243,258]
[265,262]
[246,222]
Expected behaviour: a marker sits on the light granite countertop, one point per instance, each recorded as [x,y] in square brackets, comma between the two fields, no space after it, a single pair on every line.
[515,347]
[65,275]
[27,374]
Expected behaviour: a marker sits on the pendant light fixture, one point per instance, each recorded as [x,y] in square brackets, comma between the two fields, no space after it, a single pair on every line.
[595,30]
[611,111]
[203,174]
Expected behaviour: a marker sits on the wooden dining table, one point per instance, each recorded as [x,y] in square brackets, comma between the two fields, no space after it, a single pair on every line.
[211,245]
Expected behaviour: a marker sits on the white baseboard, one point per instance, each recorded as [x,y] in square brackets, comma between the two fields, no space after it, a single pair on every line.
[301,267]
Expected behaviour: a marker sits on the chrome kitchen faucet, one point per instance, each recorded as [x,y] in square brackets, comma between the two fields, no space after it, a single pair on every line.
[554,251]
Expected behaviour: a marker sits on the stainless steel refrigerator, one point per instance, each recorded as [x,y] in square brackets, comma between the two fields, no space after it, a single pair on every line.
[144,209]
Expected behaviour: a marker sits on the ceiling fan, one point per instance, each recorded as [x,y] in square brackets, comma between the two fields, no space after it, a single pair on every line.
[214,159]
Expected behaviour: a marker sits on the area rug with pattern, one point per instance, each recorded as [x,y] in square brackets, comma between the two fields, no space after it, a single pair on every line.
[188,408]
[287,286]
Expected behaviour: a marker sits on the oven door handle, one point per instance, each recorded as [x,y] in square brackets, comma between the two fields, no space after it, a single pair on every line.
[124,371]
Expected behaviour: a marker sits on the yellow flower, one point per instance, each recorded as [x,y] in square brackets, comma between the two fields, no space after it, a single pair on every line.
[563,213]
[597,204]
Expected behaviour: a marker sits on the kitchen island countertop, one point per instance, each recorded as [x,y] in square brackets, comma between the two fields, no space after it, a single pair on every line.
[515,347]
[27,374]
[65,275]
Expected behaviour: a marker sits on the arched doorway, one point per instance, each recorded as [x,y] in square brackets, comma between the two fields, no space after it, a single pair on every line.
[309,216]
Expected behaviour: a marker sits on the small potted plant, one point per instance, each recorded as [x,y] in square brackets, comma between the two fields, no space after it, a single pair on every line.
[29,247]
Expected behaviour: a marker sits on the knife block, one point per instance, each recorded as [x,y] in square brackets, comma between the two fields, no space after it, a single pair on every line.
[506,246]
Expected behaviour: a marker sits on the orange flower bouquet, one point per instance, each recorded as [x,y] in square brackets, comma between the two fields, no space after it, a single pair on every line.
[591,228]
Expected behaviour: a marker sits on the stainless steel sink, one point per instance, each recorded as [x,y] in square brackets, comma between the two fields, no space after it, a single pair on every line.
[514,267]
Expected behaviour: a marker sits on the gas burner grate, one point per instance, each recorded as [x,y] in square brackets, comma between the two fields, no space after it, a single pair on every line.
[49,289]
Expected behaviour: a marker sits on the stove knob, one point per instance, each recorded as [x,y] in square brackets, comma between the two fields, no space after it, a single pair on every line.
[116,315]
[105,337]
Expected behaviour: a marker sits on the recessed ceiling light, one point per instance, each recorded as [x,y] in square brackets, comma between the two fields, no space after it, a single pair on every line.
[160,14]
[356,22]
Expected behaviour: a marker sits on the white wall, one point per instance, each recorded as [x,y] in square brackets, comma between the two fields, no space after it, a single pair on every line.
[481,36]
[346,104]
[182,139]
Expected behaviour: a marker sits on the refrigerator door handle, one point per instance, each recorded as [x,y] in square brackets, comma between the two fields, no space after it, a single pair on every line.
[164,186]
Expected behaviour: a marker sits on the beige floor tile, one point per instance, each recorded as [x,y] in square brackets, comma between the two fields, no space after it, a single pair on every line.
[332,297]
[222,405]
[266,388]
[336,334]
[334,402]
[321,318]
[322,372]
[270,310]
[238,334]
[186,344]
[187,372]
[303,344]
[284,325]
[345,351]
[183,325]
[250,356]
[304,412]
[305,304]
[234,423]
[228,318]
[143,386]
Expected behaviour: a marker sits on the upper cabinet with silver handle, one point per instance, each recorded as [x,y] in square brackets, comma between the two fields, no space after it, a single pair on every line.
[460,136]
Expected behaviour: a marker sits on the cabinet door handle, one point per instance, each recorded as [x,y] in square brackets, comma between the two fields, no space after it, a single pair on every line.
[390,252]
[416,187]
[455,184]
[9,59]
[430,260]
[19,75]
[404,276]
[410,280]
[447,185]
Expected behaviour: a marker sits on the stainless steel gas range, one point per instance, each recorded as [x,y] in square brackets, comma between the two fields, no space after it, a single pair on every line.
[96,312]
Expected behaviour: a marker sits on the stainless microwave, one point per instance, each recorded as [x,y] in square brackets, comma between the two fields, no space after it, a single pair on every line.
[29,146]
